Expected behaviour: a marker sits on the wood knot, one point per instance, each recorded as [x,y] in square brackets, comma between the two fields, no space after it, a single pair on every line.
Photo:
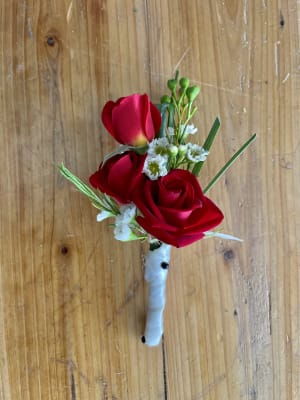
[64,250]
[281,20]
[51,40]
[228,255]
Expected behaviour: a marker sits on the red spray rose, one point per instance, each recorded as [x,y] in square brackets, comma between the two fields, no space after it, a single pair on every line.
[174,208]
[119,176]
[132,120]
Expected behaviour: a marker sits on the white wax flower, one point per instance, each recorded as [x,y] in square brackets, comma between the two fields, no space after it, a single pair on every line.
[122,230]
[158,147]
[189,129]
[155,166]
[196,153]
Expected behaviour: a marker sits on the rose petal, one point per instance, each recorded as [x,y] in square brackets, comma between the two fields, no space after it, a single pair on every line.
[119,176]
[107,117]
[174,237]
[176,217]
[207,217]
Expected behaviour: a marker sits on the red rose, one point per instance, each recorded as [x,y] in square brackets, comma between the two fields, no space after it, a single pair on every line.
[132,120]
[174,208]
[119,175]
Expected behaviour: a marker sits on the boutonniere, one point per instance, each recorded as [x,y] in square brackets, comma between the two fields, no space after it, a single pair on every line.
[151,185]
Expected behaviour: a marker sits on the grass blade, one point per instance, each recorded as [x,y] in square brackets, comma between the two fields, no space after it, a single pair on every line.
[229,163]
[207,144]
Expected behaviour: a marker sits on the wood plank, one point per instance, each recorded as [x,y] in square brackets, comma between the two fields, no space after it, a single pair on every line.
[72,300]
[240,302]
[72,312]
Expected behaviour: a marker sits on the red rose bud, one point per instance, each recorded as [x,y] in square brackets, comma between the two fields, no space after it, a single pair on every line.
[119,176]
[174,208]
[132,120]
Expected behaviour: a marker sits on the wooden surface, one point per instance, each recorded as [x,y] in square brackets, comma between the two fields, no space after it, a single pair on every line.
[73,300]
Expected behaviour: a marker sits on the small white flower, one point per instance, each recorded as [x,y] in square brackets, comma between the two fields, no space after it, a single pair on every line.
[189,130]
[158,147]
[103,215]
[123,220]
[186,129]
[196,153]
[155,166]
[122,232]
[127,213]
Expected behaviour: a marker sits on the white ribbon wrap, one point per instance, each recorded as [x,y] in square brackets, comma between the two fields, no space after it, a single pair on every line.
[156,271]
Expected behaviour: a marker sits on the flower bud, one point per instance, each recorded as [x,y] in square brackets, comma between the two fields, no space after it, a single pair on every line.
[192,92]
[165,99]
[182,149]
[173,150]
[184,83]
[172,83]
[132,120]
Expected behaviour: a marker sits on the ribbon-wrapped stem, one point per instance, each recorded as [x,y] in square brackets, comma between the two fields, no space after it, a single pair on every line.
[156,271]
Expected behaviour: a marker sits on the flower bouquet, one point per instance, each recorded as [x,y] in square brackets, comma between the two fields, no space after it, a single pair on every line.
[149,185]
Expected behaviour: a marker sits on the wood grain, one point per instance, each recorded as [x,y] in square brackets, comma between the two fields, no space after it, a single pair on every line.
[72,300]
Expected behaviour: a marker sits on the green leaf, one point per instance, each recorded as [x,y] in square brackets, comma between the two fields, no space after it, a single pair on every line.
[207,144]
[229,163]
[163,109]
[211,136]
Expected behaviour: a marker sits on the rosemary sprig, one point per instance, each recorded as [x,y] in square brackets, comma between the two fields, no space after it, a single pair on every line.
[102,203]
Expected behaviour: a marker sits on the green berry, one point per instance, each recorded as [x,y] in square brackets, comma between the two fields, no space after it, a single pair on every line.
[192,92]
[165,99]
[184,83]
[172,83]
